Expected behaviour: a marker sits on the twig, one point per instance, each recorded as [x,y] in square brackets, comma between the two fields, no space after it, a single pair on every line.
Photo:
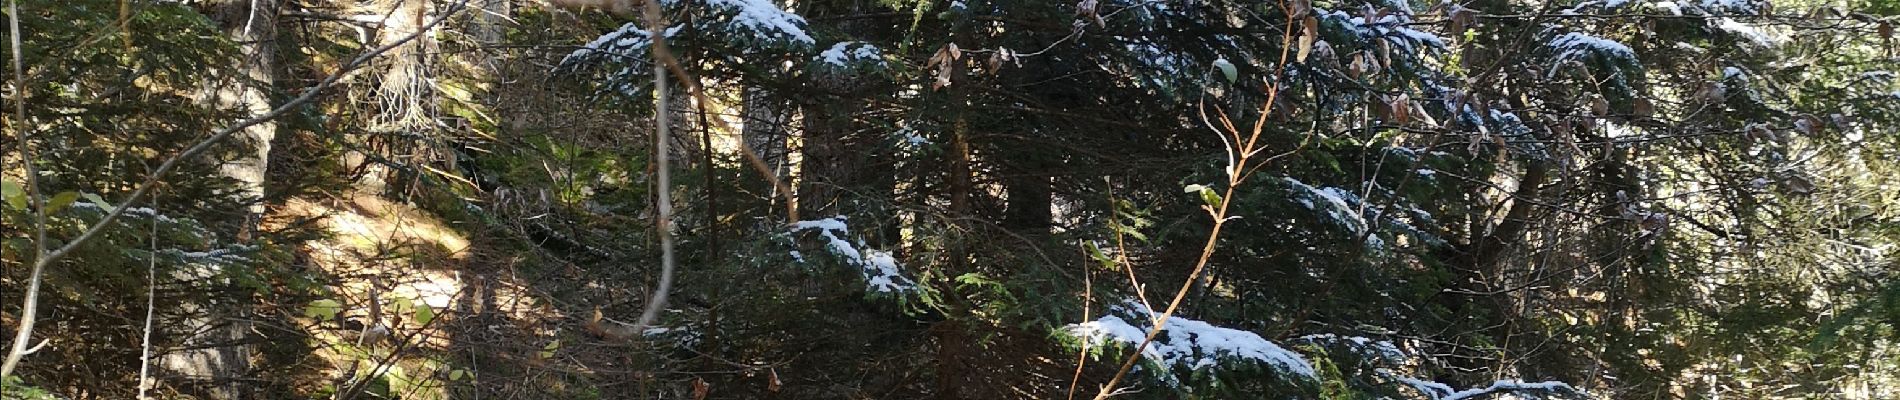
[32,192]
[656,26]
[151,306]
[1246,150]
[1082,356]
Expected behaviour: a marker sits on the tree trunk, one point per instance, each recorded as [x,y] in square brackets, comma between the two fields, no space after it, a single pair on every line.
[405,98]
[1030,195]
[253,25]
[829,163]
[765,121]
[216,351]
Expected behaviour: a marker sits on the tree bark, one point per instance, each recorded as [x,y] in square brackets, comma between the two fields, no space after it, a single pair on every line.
[247,86]
[217,352]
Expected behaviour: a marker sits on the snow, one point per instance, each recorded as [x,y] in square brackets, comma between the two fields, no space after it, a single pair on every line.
[1366,347]
[1433,389]
[881,271]
[1741,7]
[223,255]
[1507,385]
[741,21]
[1732,73]
[1440,391]
[1670,6]
[1189,343]
[1754,34]
[1427,172]
[1335,202]
[1574,45]
[147,212]
[847,53]
[628,41]
[1391,25]
[1154,56]
[766,19]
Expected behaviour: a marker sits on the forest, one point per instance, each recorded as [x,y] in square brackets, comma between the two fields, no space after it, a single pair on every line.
[950,199]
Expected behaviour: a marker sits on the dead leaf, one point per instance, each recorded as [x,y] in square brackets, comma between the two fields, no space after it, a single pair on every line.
[1642,109]
[1759,132]
[1841,121]
[1401,106]
[1886,36]
[1798,184]
[1417,110]
[1325,53]
[1358,66]
[701,389]
[773,384]
[1462,19]
[1307,37]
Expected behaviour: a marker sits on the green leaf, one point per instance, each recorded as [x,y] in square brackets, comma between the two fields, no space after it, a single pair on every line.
[456,375]
[14,194]
[1211,198]
[548,351]
[95,199]
[323,310]
[424,314]
[1207,194]
[1227,69]
[60,201]
[403,305]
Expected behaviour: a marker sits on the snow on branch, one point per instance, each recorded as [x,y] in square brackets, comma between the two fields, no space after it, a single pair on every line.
[1335,202]
[1189,343]
[1440,391]
[1574,46]
[880,269]
[629,42]
[746,25]
[850,54]
[764,19]
[1392,27]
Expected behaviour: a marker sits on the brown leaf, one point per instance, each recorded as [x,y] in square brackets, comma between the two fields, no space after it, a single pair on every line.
[1325,53]
[1310,33]
[1642,109]
[1599,106]
[1417,110]
[1713,92]
[1401,106]
[1841,121]
[1799,184]
[1759,132]
[1462,19]
[701,389]
[773,384]
[1358,66]
[1655,222]
[1385,52]
[1886,35]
